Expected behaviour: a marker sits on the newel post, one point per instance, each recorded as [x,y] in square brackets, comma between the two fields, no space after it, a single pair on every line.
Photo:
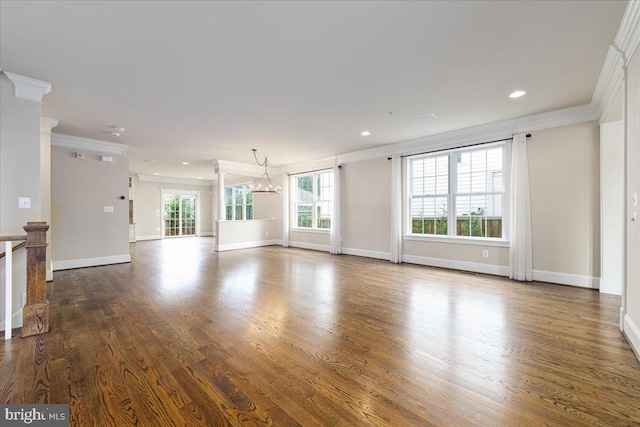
[35,314]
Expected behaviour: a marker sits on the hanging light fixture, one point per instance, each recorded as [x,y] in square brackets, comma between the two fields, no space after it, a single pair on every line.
[268,187]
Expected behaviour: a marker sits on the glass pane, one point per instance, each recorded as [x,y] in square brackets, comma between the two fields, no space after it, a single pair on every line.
[229,213]
[304,187]
[304,215]
[249,212]
[239,216]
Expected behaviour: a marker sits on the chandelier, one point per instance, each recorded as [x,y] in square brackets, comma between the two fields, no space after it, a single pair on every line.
[268,187]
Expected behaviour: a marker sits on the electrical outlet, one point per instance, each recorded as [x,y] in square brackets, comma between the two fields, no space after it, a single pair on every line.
[485,253]
[24,202]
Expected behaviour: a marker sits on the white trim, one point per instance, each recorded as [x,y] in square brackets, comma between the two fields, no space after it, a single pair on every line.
[553,119]
[153,237]
[312,246]
[566,279]
[498,270]
[174,180]
[16,322]
[206,234]
[246,245]
[488,132]
[457,240]
[310,230]
[91,262]
[633,334]
[28,88]
[47,123]
[95,145]
[611,74]
[366,253]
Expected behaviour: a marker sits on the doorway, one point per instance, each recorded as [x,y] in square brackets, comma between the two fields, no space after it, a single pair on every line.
[180,214]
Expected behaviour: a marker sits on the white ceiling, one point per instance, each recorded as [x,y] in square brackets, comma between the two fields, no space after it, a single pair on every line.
[196,81]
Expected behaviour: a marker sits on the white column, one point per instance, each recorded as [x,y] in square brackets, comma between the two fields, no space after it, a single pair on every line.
[222,213]
[46,124]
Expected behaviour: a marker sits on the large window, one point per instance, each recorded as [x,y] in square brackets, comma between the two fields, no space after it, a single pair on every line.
[312,200]
[460,193]
[238,200]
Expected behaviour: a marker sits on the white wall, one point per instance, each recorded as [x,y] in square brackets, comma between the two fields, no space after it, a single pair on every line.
[612,206]
[83,234]
[632,315]
[564,178]
[232,235]
[19,177]
[147,207]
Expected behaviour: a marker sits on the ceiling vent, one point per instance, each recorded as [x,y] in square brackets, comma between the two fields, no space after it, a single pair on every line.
[426,117]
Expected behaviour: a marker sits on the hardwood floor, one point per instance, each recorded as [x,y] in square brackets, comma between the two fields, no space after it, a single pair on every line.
[287,337]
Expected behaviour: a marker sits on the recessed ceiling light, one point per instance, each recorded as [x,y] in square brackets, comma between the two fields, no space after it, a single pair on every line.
[116,134]
[365,133]
[156,173]
[199,177]
[118,129]
[517,94]
[185,163]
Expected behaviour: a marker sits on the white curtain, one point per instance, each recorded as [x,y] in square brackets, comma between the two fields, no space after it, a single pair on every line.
[285,210]
[396,210]
[335,230]
[520,252]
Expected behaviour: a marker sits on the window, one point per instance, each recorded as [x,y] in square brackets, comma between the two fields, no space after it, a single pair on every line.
[238,201]
[460,193]
[312,200]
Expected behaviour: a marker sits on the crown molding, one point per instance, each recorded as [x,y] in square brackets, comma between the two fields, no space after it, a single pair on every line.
[174,180]
[28,88]
[47,123]
[472,135]
[627,40]
[225,166]
[95,145]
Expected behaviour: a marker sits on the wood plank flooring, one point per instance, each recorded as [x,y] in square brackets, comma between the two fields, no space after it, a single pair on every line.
[289,337]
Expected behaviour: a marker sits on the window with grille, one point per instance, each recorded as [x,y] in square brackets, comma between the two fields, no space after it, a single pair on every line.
[457,194]
[238,201]
[312,195]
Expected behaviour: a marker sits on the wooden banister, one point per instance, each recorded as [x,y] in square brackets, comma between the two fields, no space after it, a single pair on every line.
[35,314]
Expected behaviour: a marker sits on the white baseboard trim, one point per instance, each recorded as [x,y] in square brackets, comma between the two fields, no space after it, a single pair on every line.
[312,246]
[367,254]
[246,245]
[633,334]
[476,267]
[206,234]
[154,237]
[16,321]
[566,279]
[90,262]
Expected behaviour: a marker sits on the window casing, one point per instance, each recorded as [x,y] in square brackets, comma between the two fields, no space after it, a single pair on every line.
[460,193]
[238,201]
[312,200]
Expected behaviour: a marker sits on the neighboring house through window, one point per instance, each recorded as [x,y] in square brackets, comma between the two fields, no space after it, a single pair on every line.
[458,194]
[238,201]
[312,200]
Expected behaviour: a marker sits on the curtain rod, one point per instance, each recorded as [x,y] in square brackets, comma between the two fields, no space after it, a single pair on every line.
[315,170]
[455,148]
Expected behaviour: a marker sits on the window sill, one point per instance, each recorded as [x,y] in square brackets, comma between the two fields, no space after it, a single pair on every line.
[458,240]
[310,230]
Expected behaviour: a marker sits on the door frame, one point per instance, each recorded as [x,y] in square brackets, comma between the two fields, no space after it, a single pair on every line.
[163,192]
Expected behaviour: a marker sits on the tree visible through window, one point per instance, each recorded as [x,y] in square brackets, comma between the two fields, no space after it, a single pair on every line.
[312,200]
[238,200]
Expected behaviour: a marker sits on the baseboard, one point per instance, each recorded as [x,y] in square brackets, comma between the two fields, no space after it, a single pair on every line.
[476,267]
[90,262]
[16,321]
[566,279]
[154,237]
[246,245]
[312,246]
[633,334]
[365,253]
[206,234]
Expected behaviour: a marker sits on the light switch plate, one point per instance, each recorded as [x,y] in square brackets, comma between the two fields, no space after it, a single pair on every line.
[108,209]
[24,202]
